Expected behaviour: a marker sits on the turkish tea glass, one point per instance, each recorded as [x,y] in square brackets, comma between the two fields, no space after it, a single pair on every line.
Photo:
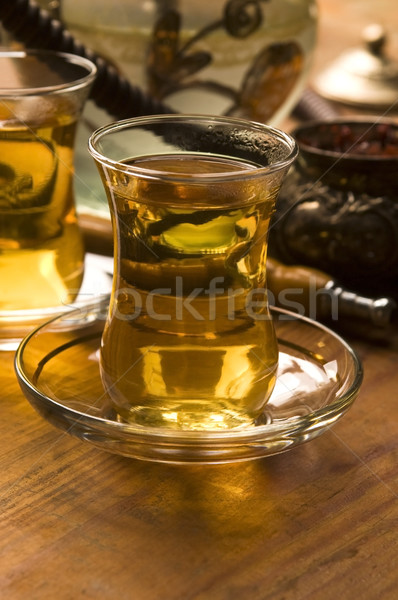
[189,343]
[42,94]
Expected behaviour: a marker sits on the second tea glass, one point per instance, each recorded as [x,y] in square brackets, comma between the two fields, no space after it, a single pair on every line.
[189,343]
[42,95]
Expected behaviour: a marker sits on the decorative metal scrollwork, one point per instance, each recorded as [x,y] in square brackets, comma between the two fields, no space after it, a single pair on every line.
[268,81]
[350,235]
[242,17]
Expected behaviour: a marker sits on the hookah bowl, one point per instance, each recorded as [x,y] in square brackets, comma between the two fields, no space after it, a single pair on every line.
[338,210]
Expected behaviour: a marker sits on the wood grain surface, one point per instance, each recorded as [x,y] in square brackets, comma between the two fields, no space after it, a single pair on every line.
[317,523]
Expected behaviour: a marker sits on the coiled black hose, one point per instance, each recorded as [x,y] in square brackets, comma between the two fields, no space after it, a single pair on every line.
[35,28]
[313,106]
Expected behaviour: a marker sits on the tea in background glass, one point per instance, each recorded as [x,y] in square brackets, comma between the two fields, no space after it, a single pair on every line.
[42,94]
[189,343]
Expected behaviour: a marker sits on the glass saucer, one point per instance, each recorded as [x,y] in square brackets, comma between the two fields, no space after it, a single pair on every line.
[319,377]
[97,283]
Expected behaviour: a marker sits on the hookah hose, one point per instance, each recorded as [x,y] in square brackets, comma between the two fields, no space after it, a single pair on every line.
[35,28]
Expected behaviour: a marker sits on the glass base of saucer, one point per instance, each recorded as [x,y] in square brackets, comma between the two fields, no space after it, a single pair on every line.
[318,378]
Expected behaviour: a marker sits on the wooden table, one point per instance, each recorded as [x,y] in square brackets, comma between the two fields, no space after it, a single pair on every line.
[319,522]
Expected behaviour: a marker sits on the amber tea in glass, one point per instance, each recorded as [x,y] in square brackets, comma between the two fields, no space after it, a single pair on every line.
[42,94]
[189,343]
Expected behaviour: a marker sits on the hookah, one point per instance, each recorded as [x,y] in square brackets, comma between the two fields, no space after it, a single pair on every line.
[36,28]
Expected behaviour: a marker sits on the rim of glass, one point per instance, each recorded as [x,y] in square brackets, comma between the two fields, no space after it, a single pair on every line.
[146,173]
[49,89]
